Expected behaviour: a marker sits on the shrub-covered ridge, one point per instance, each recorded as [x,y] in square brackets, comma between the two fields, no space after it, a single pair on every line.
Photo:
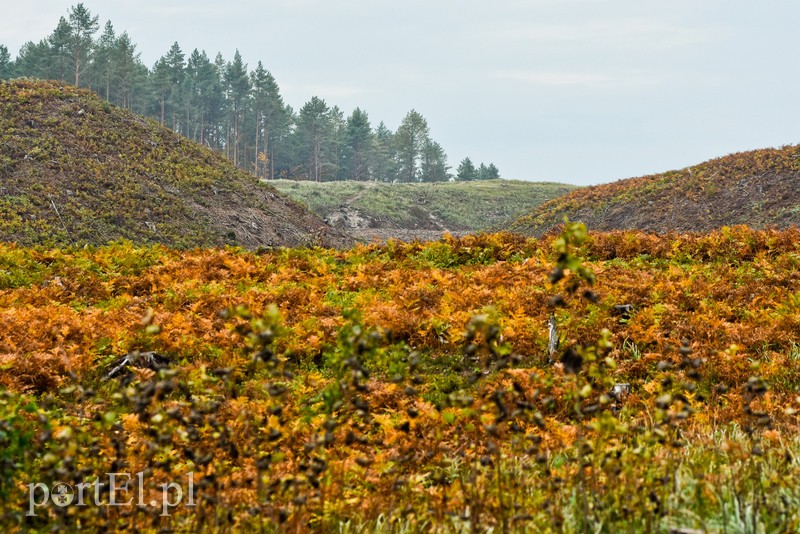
[757,188]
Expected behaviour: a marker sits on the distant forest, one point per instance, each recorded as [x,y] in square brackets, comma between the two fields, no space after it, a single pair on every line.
[239,112]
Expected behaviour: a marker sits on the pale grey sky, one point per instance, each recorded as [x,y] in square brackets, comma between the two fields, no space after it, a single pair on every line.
[579,91]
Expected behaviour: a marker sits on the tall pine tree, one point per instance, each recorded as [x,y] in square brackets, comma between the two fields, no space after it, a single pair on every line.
[383,161]
[358,145]
[103,63]
[6,65]
[129,75]
[466,171]
[434,163]
[313,130]
[410,139]
[176,71]
[271,120]
[237,90]
[82,27]
[60,54]
[201,95]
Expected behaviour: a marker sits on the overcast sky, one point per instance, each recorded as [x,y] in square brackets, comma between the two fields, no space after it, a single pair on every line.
[579,91]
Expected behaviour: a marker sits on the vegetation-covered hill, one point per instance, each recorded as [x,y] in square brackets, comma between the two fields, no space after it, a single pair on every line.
[77,170]
[376,210]
[757,188]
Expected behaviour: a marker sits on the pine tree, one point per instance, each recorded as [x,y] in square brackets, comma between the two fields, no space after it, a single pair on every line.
[35,60]
[161,84]
[289,159]
[176,72]
[434,163]
[466,171]
[410,139]
[313,130]
[492,173]
[202,88]
[166,79]
[82,26]
[6,65]
[483,172]
[103,64]
[270,119]
[382,155]
[336,144]
[237,89]
[357,148]
[218,111]
[129,75]
[57,64]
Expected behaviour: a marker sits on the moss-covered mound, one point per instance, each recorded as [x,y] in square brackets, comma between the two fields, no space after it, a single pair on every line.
[407,211]
[75,170]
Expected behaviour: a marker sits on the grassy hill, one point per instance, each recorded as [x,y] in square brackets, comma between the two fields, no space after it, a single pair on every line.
[75,170]
[757,188]
[371,210]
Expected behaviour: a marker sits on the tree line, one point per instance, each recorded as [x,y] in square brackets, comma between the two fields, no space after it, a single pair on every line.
[235,110]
